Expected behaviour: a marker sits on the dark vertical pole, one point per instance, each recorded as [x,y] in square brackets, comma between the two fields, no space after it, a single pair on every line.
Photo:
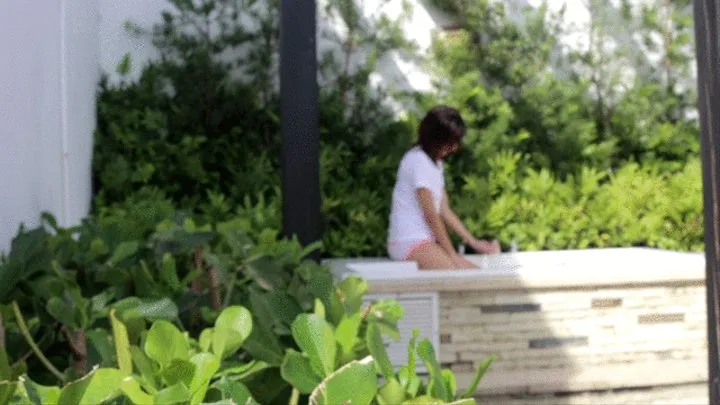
[299,112]
[707,39]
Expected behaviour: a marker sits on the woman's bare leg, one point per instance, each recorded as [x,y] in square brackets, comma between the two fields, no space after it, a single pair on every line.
[431,256]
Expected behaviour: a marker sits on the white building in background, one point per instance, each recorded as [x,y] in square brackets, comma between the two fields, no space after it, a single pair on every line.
[53,54]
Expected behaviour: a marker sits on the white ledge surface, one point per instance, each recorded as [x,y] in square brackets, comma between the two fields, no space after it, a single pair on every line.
[532,270]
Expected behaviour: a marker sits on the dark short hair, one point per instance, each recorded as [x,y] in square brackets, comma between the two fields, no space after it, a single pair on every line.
[442,126]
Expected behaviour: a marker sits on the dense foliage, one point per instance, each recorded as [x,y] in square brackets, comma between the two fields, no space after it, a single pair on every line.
[567,148]
[148,306]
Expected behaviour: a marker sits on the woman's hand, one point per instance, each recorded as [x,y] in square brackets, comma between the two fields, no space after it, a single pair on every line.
[485,247]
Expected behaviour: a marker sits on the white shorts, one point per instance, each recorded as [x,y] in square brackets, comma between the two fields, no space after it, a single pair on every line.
[402,249]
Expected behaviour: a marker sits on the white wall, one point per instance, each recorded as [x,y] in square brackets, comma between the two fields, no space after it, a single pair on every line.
[48,76]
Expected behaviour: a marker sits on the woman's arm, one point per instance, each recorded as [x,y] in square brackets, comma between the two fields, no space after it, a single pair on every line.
[452,220]
[425,198]
[448,215]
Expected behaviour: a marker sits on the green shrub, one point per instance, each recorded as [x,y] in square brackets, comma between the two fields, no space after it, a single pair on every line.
[546,129]
[147,305]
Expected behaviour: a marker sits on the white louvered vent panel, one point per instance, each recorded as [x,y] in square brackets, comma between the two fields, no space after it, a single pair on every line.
[421,313]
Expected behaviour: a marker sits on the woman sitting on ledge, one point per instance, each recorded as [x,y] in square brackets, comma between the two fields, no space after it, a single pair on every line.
[420,206]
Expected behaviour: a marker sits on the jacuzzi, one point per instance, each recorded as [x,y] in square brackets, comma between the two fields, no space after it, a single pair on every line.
[557,320]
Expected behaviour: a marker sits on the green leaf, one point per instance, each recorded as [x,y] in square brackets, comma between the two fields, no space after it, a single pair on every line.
[232,327]
[122,345]
[409,380]
[296,370]
[391,393]
[123,251]
[143,364]
[424,400]
[39,394]
[352,290]
[132,389]
[234,390]
[241,371]
[354,383]
[450,383]
[386,313]
[150,309]
[206,365]
[58,309]
[175,394]
[165,342]
[317,339]
[205,339]
[322,285]
[482,369]
[29,254]
[464,401]
[436,384]
[168,272]
[319,309]
[347,331]
[179,371]
[7,391]
[375,344]
[267,273]
[263,344]
[5,371]
[98,386]
[125,65]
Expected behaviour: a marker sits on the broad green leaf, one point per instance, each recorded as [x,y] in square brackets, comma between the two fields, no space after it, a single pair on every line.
[391,393]
[238,371]
[482,369]
[151,309]
[143,364]
[317,339]
[123,251]
[283,306]
[436,384]
[322,285]
[179,371]
[29,254]
[234,390]
[175,394]
[98,386]
[386,313]
[132,389]
[232,327]
[101,342]
[376,346]
[347,331]
[165,343]
[296,370]
[205,340]
[206,365]
[354,383]
[319,308]
[352,290]
[59,309]
[122,345]
[263,343]
[39,394]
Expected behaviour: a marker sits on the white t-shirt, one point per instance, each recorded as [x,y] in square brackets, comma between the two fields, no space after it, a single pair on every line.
[417,170]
